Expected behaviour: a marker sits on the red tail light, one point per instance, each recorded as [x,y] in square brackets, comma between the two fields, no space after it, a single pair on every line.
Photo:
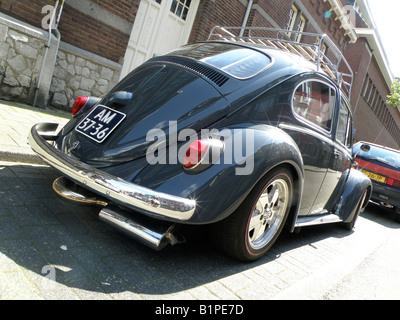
[78,104]
[393,183]
[195,153]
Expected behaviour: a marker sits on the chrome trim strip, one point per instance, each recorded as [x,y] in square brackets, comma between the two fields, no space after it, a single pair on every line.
[303,221]
[123,192]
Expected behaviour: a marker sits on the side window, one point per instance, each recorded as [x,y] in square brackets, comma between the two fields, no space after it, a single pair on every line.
[315,102]
[343,132]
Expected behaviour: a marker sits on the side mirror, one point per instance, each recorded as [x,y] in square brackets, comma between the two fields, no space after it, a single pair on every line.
[121,98]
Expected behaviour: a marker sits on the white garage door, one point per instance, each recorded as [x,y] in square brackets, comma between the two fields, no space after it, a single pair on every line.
[160,26]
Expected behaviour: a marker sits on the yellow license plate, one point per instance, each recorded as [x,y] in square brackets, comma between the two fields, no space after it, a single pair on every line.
[374,176]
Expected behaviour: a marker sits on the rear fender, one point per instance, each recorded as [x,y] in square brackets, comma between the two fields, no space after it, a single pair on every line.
[250,152]
[355,187]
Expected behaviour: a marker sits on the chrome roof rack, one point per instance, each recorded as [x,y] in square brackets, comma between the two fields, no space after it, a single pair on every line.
[314,47]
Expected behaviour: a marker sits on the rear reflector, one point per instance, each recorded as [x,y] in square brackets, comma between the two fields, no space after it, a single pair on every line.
[78,104]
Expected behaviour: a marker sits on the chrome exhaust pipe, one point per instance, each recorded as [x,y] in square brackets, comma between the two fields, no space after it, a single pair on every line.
[156,236]
[70,191]
[150,233]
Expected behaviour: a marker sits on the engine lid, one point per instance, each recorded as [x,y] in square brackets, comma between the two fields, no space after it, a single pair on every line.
[157,96]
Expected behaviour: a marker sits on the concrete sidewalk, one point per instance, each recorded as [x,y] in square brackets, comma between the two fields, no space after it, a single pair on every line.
[16,120]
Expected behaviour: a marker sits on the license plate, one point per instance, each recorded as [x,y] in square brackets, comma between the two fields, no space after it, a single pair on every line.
[374,176]
[99,123]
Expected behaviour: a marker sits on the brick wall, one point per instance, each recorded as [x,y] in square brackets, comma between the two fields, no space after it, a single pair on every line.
[329,25]
[24,10]
[216,13]
[277,10]
[125,9]
[80,29]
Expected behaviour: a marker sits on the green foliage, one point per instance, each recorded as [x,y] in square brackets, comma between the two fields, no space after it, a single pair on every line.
[394,98]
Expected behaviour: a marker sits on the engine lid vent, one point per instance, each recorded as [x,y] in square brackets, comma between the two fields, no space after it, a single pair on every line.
[217,77]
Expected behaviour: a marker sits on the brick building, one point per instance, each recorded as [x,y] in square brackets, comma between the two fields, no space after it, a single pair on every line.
[101,41]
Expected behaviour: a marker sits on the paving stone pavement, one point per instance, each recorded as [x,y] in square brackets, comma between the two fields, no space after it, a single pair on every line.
[16,120]
[53,250]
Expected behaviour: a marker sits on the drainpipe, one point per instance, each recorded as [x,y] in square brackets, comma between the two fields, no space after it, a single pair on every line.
[246,17]
[47,45]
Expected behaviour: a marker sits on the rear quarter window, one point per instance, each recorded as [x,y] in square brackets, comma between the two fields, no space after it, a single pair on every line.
[314,101]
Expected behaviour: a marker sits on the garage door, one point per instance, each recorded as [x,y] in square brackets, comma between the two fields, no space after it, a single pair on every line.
[160,26]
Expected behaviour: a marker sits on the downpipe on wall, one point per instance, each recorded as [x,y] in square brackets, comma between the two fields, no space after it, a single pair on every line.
[47,45]
[246,17]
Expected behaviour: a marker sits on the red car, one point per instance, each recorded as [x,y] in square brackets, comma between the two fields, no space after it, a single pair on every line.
[382,166]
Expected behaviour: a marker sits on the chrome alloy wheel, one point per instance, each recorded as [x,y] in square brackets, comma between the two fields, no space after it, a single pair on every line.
[268,213]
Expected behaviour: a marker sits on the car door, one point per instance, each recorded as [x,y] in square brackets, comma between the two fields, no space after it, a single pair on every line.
[313,106]
[341,160]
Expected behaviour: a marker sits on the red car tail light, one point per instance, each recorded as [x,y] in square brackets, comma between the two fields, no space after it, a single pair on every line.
[195,153]
[79,104]
[203,153]
[393,183]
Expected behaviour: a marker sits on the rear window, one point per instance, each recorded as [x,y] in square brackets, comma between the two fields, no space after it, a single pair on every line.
[377,154]
[237,61]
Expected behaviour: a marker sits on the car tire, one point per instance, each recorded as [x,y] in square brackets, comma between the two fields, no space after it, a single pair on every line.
[253,228]
[350,225]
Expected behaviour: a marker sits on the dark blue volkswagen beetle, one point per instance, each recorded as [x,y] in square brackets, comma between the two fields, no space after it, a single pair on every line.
[246,134]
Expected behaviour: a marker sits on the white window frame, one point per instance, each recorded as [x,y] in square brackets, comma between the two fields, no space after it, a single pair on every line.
[300,27]
[292,17]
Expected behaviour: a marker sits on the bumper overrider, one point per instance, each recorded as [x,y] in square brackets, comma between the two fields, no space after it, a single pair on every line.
[118,191]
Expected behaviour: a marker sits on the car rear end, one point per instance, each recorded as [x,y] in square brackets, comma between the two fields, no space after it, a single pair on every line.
[382,166]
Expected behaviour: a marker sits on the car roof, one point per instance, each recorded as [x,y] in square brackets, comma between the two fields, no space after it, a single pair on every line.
[315,47]
[208,53]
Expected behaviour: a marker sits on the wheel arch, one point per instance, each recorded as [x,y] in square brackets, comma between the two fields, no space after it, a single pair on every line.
[292,161]
[357,184]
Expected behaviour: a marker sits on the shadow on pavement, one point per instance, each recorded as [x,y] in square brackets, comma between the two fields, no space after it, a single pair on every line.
[48,237]
[382,215]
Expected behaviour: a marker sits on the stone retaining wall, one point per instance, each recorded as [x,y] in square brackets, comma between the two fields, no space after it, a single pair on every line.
[69,72]
[21,55]
[78,73]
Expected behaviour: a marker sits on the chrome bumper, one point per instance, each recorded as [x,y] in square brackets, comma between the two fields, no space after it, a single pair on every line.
[129,195]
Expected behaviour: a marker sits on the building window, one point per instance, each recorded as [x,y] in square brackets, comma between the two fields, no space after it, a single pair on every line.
[371,97]
[376,101]
[297,22]
[181,8]
[292,17]
[300,27]
[365,87]
[158,1]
